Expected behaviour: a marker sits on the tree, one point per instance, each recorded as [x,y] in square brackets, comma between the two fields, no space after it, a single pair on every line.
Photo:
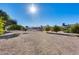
[56,28]
[4,15]
[63,24]
[10,22]
[1,26]
[7,19]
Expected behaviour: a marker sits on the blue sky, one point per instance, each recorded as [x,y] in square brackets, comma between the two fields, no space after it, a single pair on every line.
[47,13]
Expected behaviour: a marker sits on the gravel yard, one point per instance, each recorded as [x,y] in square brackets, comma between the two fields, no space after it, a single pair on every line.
[39,43]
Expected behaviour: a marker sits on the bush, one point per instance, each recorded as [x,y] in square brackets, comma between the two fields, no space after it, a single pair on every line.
[15,27]
[72,29]
[75,28]
[47,28]
[56,28]
[68,30]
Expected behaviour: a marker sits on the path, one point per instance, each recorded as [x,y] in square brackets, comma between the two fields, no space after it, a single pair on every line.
[35,43]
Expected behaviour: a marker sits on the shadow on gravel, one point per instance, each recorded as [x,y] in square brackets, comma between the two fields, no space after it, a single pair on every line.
[9,36]
[65,34]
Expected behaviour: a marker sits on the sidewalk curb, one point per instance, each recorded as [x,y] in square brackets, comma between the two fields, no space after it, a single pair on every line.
[65,34]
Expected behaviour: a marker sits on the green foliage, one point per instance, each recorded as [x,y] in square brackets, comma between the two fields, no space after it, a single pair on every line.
[75,28]
[15,27]
[4,15]
[6,18]
[68,30]
[1,26]
[47,28]
[56,28]
[10,22]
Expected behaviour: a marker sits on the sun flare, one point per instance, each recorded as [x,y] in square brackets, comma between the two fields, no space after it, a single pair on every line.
[33,9]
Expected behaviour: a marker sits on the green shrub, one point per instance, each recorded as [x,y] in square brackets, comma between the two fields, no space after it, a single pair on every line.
[47,28]
[72,29]
[56,28]
[75,28]
[67,30]
[15,27]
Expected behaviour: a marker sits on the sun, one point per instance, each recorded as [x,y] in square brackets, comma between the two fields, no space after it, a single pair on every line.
[33,9]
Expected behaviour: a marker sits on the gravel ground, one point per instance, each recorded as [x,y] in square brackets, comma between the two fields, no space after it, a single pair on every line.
[39,43]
